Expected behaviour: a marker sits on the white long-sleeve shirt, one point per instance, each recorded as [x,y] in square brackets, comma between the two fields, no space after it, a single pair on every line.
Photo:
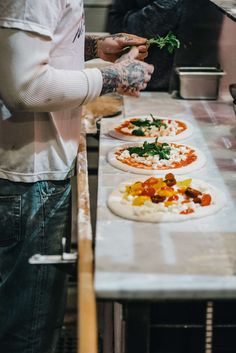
[42,84]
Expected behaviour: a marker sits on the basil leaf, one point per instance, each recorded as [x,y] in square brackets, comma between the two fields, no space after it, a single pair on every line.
[141,123]
[151,149]
[137,150]
[138,132]
[170,41]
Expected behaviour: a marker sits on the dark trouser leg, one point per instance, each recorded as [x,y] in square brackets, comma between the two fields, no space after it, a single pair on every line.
[34,218]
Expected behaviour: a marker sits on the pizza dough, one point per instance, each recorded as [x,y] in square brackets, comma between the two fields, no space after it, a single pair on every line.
[157,212]
[135,165]
[176,130]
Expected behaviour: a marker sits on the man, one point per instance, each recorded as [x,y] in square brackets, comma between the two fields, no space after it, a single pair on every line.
[43,84]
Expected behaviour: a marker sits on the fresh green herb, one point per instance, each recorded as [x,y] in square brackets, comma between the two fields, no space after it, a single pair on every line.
[138,132]
[147,123]
[158,123]
[170,41]
[152,149]
[140,122]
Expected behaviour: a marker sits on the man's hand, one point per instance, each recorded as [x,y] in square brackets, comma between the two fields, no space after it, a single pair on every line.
[110,48]
[127,76]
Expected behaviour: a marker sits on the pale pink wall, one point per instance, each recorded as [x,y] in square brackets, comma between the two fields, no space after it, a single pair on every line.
[227,53]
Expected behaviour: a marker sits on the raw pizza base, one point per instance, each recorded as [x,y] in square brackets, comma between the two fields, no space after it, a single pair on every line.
[199,163]
[122,208]
[132,138]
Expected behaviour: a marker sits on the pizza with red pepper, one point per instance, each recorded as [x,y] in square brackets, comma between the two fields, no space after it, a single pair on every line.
[168,199]
[156,157]
[142,128]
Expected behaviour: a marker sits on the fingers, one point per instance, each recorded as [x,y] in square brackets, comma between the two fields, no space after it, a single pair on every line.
[142,56]
[144,86]
[148,68]
[135,53]
[134,92]
[131,55]
[143,52]
[131,39]
[143,48]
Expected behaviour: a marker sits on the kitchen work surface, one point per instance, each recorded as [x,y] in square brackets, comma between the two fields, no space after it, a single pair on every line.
[227,6]
[190,259]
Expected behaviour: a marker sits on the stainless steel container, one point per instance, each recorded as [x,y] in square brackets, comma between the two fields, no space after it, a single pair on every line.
[199,82]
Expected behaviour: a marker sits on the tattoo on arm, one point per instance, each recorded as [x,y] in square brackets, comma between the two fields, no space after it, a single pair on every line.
[109,76]
[115,36]
[122,78]
[92,42]
[91,47]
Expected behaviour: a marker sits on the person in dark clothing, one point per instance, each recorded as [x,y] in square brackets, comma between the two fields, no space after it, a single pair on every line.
[149,19]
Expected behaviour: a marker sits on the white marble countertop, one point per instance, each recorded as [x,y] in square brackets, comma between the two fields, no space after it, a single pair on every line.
[191,259]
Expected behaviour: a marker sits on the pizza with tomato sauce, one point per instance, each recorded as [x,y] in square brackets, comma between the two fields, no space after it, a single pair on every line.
[168,199]
[156,157]
[142,128]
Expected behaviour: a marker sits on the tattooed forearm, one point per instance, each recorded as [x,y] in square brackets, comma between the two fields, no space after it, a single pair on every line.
[91,47]
[110,79]
[128,76]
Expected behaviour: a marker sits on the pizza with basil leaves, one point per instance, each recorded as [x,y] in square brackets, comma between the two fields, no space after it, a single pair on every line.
[142,128]
[156,157]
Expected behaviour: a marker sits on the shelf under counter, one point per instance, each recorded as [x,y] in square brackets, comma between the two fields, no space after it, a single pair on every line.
[194,259]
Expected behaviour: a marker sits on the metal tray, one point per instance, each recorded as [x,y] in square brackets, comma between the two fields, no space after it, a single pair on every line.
[199,82]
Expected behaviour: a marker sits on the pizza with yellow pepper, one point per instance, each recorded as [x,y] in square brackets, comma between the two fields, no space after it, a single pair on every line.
[167,199]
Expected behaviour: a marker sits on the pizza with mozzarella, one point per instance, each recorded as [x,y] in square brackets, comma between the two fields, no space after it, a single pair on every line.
[156,157]
[142,128]
[165,199]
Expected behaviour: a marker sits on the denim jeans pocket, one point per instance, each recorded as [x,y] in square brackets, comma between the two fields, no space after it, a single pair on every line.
[10,222]
[54,188]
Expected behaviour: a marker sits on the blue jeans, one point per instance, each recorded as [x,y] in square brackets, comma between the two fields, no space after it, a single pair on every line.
[33,219]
